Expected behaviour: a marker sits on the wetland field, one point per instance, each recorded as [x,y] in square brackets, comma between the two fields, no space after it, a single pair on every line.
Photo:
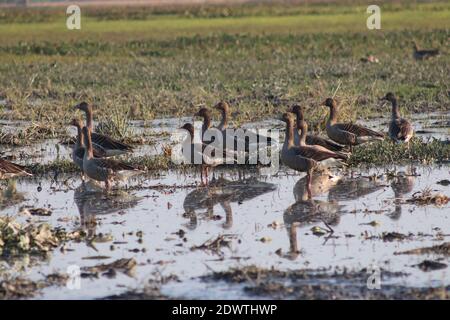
[376,227]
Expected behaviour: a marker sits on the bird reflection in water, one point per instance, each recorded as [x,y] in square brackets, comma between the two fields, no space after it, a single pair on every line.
[92,201]
[223,192]
[402,183]
[306,212]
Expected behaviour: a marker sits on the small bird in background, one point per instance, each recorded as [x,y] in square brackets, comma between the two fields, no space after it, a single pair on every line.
[422,54]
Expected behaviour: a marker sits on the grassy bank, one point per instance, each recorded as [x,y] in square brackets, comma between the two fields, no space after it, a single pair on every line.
[149,63]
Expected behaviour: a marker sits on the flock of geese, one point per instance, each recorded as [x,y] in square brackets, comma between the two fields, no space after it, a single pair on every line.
[301,151]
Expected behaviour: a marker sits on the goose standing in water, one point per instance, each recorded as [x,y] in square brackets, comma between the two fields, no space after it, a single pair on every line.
[105,170]
[79,148]
[400,129]
[11,170]
[311,139]
[303,158]
[348,134]
[107,145]
[197,154]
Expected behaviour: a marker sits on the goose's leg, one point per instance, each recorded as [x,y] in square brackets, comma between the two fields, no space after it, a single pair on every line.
[206,174]
[201,174]
[308,185]
[107,185]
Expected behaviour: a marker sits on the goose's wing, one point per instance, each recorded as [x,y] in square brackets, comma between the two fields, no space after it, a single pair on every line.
[108,143]
[113,165]
[404,129]
[330,145]
[319,153]
[358,130]
[12,168]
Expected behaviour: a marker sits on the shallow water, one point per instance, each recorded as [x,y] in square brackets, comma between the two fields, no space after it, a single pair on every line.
[242,210]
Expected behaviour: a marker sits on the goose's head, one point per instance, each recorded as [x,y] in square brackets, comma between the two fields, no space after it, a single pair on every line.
[222,106]
[287,117]
[188,127]
[203,112]
[83,106]
[297,110]
[389,97]
[330,103]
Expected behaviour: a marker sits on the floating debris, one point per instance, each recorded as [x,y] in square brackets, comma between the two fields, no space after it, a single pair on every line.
[428,265]
[126,266]
[19,288]
[444,182]
[391,236]
[438,249]
[426,197]
[373,223]
[43,212]
[32,238]
[265,239]
[223,240]
[318,231]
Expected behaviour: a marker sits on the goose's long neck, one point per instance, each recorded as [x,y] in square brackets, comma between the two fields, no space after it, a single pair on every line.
[206,124]
[289,139]
[395,111]
[299,118]
[89,120]
[90,151]
[80,141]
[224,121]
[303,130]
[333,115]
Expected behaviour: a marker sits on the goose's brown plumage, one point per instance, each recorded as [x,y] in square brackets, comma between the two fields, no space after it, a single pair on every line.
[197,153]
[312,139]
[292,156]
[109,146]
[105,170]
[315,152]
[347,133]
[9,170]
[400,129]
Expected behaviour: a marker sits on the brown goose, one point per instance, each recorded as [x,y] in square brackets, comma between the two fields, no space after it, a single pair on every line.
[312,139]
[79,148]
[105,170]
[348,134]
[400,129]
[197,154]
[108,145]
[11,170]
[303,158]
[423,54]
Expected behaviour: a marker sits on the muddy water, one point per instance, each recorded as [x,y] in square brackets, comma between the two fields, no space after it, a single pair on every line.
[257,214]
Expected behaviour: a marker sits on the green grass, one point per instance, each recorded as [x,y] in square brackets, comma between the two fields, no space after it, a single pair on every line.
[163,62]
